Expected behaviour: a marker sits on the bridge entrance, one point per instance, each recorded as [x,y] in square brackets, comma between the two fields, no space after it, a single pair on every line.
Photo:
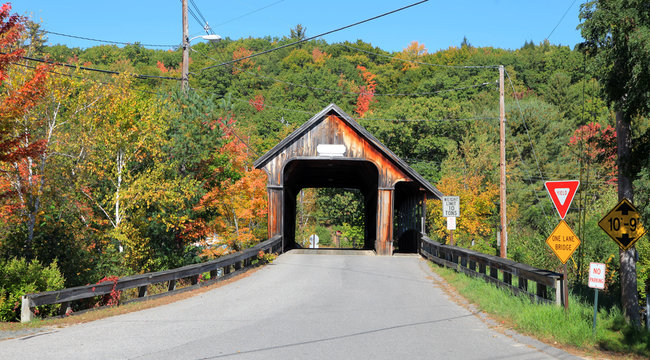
[331,150]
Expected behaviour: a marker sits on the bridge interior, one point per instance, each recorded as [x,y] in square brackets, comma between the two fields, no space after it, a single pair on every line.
[321,173]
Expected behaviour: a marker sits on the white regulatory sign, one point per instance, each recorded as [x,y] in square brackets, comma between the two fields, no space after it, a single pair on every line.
[450,206]
[451,223]
[596,275]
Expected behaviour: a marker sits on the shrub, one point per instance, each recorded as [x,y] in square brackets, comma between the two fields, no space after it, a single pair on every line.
[19,277]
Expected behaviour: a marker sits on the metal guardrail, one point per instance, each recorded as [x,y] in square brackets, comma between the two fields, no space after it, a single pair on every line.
[501,271]
[219,269]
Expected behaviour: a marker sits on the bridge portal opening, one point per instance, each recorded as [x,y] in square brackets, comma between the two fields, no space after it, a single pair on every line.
[358,178]
[330,218]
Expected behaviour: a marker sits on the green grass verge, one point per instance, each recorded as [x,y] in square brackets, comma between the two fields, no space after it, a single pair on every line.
[551,322]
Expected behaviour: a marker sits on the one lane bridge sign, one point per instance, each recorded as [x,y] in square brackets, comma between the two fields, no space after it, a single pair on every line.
[563,241]
[623,224]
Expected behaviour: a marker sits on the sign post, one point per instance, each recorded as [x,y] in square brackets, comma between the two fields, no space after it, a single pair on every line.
[451,210]
[563,241]
[596,281]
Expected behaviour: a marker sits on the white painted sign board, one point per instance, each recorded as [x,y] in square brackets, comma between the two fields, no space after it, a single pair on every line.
[450,206]
[451,223]
[597,275]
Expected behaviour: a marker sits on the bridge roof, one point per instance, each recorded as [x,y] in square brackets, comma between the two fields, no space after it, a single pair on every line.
[332,109]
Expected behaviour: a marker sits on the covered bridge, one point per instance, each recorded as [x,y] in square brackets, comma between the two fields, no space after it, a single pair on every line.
[333,150]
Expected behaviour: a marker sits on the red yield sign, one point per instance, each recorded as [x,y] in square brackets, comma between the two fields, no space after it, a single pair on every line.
[562,193]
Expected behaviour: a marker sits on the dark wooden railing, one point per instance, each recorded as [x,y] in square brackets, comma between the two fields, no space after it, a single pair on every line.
[496,270]
[219,269]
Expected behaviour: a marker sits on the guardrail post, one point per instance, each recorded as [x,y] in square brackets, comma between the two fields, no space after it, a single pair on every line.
[194,279]
[142,291]
[523,284]
[541,291]
[559,285]
[172,285]
[481,268]
[507,278]
[494,273]
[26,313]
[214,274]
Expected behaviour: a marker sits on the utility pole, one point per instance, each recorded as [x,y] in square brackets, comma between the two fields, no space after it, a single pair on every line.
[502,164]
[186,48]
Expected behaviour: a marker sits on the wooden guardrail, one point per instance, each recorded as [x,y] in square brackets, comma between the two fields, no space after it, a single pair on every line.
[219,269]
[496,270]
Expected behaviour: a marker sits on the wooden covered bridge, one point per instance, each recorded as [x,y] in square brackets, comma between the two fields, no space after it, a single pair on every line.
[333,150]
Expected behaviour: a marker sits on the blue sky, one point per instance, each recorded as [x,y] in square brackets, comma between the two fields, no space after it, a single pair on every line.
[437,24]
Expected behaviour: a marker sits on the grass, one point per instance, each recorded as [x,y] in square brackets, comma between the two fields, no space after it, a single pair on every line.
[550,323]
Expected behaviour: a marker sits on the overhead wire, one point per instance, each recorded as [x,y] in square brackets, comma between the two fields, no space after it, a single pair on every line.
[348,92]
[315,36]
[85,68]
[107,41]
[421,62]
[249,13]
[562,18]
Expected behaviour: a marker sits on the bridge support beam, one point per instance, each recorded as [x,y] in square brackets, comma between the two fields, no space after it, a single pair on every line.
[384,245]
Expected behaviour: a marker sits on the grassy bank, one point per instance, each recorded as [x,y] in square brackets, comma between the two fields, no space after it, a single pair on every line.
[551,323]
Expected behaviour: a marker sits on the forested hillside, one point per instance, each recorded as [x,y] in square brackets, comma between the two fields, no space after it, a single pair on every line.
[116,172]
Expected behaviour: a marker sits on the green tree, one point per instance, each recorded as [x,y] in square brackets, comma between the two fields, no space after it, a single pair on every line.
[618,34]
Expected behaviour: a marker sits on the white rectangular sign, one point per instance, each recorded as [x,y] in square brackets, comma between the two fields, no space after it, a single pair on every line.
[450,206]
[451,223]
[597,275]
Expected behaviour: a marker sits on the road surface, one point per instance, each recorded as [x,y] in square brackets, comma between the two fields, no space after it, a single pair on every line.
[300,307]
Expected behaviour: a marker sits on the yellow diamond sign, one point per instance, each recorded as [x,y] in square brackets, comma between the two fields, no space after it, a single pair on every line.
[623,224]
[563,241]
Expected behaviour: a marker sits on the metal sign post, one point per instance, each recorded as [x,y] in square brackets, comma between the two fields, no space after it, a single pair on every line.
[596,281]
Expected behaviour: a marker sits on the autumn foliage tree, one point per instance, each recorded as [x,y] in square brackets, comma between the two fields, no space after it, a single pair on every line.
[234,211]
[21,144]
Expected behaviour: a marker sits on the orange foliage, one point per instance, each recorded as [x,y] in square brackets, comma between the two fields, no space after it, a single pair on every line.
[257,102]
[319,57]
[245,64]
[239,204]
[161,67]
[367,92]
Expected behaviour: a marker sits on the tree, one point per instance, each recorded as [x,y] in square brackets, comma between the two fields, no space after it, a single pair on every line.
[298,33]
[22,146]
[618,34]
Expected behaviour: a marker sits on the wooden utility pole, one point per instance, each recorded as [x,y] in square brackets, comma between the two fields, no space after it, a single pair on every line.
[186,48]
[502,163]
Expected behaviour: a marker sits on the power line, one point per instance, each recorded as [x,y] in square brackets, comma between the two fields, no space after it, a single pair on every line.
[420,62]
[429,120]
[88,79]
[314,37]
[106,41]
[347,92]
[85,68]
[562,18]
[248,13]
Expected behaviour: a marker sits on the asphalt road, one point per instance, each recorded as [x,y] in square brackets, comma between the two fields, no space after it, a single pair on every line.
[299,307]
